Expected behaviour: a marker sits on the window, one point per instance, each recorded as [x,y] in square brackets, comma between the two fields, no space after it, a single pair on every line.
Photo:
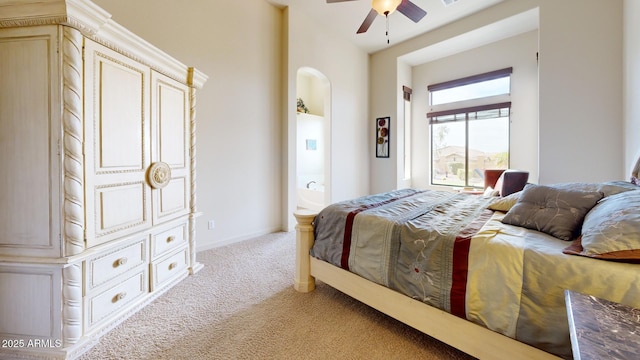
[469,125]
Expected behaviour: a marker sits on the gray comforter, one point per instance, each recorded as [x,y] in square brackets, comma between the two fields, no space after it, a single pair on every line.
[404,240]
[447,250]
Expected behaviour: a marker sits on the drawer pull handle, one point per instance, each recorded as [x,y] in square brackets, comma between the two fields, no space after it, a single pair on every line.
[170,239]
[173,265]
[119,297]
[120,262]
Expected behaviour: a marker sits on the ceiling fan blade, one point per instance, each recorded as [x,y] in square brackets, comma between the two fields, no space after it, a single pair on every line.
[411,10]
[367,21]
[335,1]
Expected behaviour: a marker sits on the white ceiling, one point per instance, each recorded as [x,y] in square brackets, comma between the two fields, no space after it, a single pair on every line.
[344,18]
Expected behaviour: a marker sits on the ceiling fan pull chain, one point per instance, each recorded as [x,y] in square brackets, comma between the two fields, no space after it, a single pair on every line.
[386,15]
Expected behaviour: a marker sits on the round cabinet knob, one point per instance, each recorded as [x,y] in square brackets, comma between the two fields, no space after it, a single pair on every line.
[173,265]
[159,175]
[170,239]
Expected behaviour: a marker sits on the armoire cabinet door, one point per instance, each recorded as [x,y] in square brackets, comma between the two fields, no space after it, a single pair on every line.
[170,140]
[117,144]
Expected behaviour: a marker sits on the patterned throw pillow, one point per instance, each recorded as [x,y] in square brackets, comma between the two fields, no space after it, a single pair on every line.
[611,230]
[505,204]
[557,212]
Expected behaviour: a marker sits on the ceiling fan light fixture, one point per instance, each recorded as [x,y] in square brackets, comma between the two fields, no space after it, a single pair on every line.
[385,7]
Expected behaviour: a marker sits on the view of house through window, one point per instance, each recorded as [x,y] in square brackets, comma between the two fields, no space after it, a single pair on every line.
[469,125]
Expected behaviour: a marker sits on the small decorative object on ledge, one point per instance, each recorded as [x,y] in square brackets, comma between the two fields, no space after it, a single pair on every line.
[301,107]
[382,137]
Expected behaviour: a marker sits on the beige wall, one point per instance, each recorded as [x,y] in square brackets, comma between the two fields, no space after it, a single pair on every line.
[580,87]
[581,117]
[631,83]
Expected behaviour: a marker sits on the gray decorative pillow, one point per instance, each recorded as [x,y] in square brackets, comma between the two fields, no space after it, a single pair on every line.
[554,211]
[611,230]
[607,188]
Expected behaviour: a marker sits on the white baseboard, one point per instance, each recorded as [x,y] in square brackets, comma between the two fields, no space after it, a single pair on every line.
[203,246]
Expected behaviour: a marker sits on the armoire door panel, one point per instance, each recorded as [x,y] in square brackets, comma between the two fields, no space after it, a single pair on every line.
[115,206]
[29,175]
[171,129]
[173,197]
[172,125]
[118,135]
[119,208]
[121,121]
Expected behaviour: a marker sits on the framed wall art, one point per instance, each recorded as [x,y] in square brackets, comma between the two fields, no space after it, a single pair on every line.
[311,144]
[382,137]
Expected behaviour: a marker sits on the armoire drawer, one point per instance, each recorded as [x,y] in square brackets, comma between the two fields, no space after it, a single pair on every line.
[169,268]
[166,241]
[107,266]
[108,302]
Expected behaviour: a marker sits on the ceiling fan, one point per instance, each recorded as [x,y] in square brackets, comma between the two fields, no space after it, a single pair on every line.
[386,7]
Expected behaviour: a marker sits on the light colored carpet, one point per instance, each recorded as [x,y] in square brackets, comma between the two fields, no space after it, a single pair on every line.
[242,305]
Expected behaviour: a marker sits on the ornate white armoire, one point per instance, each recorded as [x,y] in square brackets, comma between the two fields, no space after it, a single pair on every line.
[97,175]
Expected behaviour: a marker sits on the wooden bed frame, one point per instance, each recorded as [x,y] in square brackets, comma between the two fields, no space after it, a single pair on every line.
[462,334]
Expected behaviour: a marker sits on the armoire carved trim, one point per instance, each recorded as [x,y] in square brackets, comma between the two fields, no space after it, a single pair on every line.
[33,21]
[72,304]
[73,161]
[192,151]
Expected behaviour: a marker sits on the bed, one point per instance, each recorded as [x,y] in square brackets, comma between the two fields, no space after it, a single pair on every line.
[483,274]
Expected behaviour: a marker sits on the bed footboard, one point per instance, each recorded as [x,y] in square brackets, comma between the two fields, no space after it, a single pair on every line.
[303,281]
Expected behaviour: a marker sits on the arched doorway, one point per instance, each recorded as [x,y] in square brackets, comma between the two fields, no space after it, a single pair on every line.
[313,140]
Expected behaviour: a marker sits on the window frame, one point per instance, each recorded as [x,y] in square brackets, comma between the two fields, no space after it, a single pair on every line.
[492,75]
[466,107]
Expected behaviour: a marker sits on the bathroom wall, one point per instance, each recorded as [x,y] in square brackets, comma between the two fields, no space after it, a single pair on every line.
[310,149]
